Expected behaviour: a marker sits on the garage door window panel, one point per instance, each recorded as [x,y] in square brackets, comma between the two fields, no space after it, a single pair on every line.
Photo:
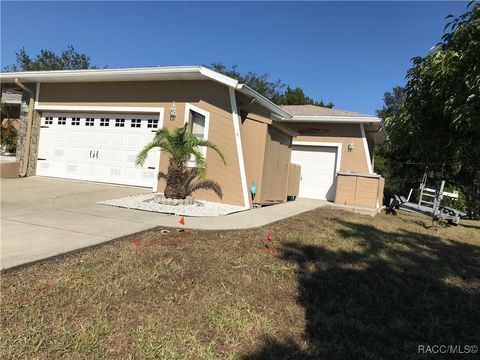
[152,124]
[136,123]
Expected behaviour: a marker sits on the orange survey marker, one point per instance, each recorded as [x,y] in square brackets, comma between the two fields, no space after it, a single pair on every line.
[269,242]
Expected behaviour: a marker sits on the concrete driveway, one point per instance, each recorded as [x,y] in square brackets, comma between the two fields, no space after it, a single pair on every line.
[44,217]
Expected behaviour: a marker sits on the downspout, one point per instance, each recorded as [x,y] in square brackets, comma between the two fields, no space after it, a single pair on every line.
[28,134]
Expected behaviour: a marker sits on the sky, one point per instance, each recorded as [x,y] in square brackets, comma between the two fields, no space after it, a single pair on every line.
[349,53]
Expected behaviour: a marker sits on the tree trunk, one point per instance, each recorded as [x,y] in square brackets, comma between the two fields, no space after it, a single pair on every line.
[175,188]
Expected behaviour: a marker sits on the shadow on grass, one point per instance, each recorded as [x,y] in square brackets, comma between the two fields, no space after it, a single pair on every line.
[390,293]
[469,226]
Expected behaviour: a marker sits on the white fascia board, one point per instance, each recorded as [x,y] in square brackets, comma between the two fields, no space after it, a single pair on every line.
[238,144]
[126,74]
[223,79]
[59,74]
[335,119]
[264,101]
[366,150]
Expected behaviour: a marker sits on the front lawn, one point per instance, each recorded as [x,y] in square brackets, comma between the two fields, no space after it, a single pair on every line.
[335,285]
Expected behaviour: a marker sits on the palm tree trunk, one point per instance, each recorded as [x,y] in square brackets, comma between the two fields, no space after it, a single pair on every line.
[175,188]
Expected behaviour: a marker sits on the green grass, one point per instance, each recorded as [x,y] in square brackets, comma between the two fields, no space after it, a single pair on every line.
[335,285]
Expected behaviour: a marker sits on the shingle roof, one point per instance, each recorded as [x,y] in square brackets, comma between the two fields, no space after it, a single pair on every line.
[312,110]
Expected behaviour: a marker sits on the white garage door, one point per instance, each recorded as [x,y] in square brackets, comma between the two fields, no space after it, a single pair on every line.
[98,147]
[318,171]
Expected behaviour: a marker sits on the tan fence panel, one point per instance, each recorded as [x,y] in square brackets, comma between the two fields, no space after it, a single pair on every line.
[356,189]
[294,180]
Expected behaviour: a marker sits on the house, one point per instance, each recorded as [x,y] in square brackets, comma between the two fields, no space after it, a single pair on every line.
[337,144]
[91,124]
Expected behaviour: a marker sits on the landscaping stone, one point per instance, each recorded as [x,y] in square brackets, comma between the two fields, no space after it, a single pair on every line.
[158,203]
[161,199]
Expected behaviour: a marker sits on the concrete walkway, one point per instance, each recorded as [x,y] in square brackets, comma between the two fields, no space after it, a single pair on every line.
[44,217]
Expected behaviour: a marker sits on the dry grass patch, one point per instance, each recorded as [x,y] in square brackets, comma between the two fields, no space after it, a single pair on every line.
[336,285]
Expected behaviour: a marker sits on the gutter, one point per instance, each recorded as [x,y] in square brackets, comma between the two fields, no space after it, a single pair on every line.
[335,119]
[121,74]
[281,114]
[28,134]
[74,75]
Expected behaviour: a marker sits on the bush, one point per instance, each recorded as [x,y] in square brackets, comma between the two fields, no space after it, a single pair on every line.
[8,139]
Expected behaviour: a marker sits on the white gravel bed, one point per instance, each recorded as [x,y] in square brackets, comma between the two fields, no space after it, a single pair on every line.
[198,208]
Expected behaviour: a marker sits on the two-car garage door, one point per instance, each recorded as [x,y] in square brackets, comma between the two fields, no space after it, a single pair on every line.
[318,170]
[98,147]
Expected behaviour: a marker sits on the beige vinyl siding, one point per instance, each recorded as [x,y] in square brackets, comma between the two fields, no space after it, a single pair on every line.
[253,142]
[135,93]
[267,150]
[207,95]
[355,160]
[276,166]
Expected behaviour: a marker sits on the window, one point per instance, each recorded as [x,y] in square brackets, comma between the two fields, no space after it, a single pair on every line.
[89,121]
[104,122]
[136,123]
[75,121]
[62,120]
[48,120]
[152,123]
[119,122]
[196,125]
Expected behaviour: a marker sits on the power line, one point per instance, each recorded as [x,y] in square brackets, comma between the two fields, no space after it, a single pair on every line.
[415,163]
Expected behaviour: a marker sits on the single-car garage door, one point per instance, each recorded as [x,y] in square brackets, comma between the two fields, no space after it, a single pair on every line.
[98,147]
[317,180]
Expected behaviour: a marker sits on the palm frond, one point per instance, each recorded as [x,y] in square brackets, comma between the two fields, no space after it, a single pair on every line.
[200,163]
[182,146]
[162,144]
[205,185]
[142,156]
[163,133]
[212,146]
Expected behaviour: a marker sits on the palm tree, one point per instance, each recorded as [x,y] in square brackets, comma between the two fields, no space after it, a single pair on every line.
[182,146]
